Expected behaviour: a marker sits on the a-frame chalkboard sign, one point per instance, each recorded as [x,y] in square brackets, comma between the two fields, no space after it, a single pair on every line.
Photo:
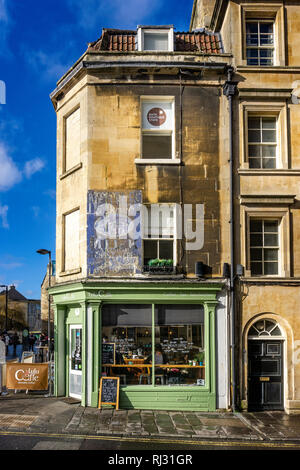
[109,391]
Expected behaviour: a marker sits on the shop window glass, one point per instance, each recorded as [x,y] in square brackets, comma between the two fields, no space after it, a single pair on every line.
[177,335]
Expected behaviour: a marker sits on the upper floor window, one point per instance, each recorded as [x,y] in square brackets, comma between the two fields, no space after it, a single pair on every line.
[260,42]
[157,133]
[155,38]
[262,141]
[159,237]
[264,247]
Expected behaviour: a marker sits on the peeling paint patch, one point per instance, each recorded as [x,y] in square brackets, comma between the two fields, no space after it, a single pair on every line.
[117,255]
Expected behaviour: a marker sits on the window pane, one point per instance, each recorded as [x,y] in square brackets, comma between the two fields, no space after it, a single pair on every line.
[252,27]
[266,39]
[269,123]
[150,250]
[179,349]
[255,163]
[157,146]
[155,41]
[254,150]
[270,268]
[256,240]
[266,28]
[268,150]
[127,330]
[166,249]
[271,226]
[256,254]
[270,239]
[256,269]
[269,163]
[270,254]
[254,123]
[255,225]
[268,136]
[254,135]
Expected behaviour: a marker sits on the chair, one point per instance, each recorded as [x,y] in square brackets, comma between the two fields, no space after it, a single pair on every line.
[146,376]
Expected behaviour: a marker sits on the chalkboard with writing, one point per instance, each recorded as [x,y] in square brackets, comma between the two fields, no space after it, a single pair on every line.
[109,391]
[108,353]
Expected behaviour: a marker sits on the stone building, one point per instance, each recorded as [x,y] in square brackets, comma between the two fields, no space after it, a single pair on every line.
[142,226]
[263,39]
[177,166]
[21,312]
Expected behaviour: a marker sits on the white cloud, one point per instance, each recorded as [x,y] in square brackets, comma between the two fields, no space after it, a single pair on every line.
[36,211]
[49,66]
[117,14]
[33,166]
[9,174]
[3,216]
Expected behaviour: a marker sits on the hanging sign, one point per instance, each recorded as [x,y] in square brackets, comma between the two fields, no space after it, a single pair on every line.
[109,391]
[156,116]
[22,376]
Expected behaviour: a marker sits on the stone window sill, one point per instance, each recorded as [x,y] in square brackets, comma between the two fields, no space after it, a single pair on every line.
[70,272]
[70,171]
[157,161]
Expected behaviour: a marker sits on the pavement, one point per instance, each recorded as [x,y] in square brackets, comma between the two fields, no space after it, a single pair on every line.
[36,413]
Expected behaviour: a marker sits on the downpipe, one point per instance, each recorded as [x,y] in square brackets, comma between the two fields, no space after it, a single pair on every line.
[229,90]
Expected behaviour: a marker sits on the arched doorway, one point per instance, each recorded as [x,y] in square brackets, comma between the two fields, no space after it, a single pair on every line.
[265,366]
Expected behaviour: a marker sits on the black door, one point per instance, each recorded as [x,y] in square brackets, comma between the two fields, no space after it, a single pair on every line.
[265,375]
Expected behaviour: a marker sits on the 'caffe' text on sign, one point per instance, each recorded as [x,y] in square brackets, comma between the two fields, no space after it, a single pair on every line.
[27,376]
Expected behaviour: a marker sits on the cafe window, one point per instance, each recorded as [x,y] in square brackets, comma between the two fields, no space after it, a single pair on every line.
[157,132]
[165,350]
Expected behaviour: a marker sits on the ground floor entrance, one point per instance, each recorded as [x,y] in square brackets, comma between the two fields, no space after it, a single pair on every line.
[265,375]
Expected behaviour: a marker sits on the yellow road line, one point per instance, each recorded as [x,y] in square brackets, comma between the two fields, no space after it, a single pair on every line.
[195,442]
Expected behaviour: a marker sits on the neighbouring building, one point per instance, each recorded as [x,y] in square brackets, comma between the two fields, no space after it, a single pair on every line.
[263,38]
[177,165]
[21,312]
[45,298]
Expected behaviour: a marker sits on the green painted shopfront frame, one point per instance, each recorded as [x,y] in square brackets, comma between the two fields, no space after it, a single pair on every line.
[80,303]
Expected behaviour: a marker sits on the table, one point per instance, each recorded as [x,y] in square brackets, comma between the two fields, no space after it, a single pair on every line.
[140,366]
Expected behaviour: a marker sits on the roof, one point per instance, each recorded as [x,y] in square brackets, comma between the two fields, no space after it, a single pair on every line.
[13,294]
[117,40]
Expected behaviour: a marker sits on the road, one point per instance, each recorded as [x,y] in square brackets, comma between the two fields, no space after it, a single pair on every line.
[10,440]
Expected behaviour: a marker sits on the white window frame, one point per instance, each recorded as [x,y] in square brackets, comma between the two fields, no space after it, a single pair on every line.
[173,238]
[169,31]
[264,219]
[261,143]
[259,47]
[156,161]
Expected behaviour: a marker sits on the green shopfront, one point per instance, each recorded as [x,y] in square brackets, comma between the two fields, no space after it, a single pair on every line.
[167,341]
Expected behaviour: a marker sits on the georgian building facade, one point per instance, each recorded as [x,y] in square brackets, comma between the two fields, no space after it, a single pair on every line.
[177,165]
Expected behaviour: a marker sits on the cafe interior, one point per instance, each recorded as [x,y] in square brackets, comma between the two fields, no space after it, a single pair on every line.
[154,344]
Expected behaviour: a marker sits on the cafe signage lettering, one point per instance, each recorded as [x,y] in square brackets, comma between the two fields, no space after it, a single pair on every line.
[27,376]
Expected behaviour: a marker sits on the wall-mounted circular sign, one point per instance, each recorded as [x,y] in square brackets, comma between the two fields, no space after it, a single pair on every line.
[156,116]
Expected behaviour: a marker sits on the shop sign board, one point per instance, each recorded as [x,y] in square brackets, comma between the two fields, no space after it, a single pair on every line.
[109,391]
[27,376]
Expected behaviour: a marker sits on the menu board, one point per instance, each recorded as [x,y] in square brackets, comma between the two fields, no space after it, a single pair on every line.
[109,391]
[108,353]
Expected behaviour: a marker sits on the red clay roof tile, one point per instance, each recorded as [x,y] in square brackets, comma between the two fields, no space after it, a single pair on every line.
[126,41]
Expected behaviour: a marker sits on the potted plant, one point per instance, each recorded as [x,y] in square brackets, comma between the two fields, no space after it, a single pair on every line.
[199,357]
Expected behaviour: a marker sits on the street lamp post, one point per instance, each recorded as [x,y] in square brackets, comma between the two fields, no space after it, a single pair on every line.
[6,304]
[48,252]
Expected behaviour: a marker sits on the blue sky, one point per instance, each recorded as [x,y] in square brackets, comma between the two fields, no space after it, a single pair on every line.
[39,41]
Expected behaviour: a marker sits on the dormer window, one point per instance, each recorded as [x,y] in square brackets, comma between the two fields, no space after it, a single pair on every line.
[156,38]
